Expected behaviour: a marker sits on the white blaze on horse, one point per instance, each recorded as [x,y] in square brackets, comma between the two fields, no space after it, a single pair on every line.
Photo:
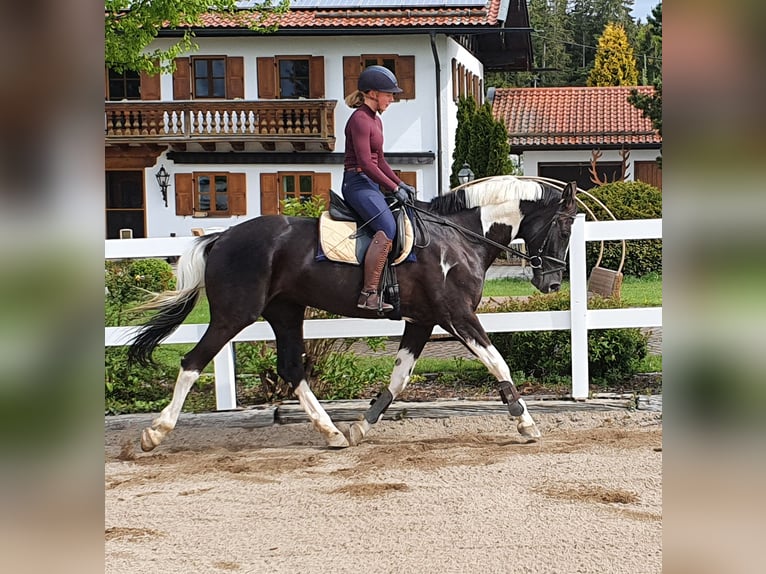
[266,267]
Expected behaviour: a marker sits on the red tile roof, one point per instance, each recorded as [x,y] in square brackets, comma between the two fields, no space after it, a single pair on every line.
[369,17]
[550,118]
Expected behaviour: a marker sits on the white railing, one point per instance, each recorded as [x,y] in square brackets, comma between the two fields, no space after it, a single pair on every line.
[579,319]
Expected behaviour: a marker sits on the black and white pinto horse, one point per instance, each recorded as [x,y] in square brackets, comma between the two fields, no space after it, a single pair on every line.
[266,267]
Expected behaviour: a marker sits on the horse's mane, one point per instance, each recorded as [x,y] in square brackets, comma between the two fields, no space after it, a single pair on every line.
[490,191]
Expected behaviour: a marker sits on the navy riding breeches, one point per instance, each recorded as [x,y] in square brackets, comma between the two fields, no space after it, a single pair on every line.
[365,197]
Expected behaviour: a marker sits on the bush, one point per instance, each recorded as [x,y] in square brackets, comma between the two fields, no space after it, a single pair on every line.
[138,388]
[129,281]
[628,200]
[613,354]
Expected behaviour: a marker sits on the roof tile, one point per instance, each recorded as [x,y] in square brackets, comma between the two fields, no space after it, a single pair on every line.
[572,116]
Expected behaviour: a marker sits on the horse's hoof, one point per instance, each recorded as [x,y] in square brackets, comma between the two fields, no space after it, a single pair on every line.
[150,438]
[355,434]
[529,431]
[337,441]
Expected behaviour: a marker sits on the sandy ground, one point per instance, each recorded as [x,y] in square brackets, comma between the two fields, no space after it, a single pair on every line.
[457,495]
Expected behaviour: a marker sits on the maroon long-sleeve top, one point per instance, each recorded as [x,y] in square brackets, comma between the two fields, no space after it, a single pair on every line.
[364,147]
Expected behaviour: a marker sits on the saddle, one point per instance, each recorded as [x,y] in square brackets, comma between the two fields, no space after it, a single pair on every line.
[341,240]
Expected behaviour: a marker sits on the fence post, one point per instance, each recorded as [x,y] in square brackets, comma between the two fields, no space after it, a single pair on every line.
[578,294]
[225,387]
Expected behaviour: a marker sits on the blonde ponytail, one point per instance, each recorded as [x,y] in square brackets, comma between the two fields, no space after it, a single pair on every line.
[355,99]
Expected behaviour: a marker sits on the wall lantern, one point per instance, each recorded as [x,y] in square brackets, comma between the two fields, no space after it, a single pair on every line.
[465,174]
[163,178]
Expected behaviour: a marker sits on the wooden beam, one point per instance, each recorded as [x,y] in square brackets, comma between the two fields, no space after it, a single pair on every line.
[238,146]
[269,146]
[131,157]
[299,146]
[208,146]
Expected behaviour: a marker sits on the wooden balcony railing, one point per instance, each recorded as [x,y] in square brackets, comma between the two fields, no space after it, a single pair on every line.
[264,121]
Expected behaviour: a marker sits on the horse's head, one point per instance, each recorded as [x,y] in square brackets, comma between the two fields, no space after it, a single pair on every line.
[547,241]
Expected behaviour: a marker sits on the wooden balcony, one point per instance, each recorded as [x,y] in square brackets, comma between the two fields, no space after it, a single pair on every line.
[236,123]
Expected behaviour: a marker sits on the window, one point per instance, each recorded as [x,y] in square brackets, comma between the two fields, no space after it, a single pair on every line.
[403,68]
[579,171]
[210,194]
[290,77]
[276,187]
[293,78]
[209,77]
[296,186]
[124,86]
[124,203]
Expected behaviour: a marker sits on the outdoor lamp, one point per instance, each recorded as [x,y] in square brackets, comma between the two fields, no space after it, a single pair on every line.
[465,174]
[163,178]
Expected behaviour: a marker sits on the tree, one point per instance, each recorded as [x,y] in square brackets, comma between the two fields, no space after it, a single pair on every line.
[651,104]
[615,63]
[481,141]
[649,47]
[131,26]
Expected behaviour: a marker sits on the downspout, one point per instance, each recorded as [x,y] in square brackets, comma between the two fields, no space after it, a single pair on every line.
[438,76]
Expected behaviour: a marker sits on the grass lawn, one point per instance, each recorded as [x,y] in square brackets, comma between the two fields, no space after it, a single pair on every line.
[636,292]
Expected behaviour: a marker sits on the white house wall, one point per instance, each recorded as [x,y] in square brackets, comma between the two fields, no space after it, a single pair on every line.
[409,125]
[532,159]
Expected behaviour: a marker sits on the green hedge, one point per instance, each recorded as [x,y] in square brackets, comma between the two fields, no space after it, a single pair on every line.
[546,356]
[628,200]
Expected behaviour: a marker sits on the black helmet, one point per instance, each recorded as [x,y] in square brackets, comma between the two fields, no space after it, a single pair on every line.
[378,78]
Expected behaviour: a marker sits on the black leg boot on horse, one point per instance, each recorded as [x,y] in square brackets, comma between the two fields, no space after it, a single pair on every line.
[374,261]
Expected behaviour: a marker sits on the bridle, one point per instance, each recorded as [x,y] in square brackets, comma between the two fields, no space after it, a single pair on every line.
[534,261]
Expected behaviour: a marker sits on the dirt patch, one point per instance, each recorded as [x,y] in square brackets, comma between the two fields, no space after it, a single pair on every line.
[275,499]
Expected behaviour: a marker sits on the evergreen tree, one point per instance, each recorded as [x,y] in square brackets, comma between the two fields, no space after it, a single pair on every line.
[649,47]
[480,141]
[615,63]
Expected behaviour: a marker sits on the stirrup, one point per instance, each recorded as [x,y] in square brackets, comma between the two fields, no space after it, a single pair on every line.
[363,302]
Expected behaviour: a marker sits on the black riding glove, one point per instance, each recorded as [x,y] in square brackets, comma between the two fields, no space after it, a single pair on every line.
[405,193]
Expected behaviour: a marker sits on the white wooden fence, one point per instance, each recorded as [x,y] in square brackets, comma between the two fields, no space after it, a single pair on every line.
[578,319]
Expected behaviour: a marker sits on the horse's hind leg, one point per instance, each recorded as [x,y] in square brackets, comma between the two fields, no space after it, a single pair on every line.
[286,320]
[472,335]
[413,340]
[191,365]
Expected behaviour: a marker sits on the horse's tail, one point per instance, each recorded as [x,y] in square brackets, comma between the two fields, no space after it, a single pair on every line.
[172,306]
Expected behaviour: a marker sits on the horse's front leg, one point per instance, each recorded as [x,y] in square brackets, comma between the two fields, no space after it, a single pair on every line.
[473,336]
[286,320]
[413,340]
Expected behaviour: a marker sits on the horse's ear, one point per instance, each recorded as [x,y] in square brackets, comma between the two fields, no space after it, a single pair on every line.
[568,195]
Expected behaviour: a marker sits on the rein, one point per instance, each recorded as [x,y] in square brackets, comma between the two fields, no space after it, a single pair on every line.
[534,261]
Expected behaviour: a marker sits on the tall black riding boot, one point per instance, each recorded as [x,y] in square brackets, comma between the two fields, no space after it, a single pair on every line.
[374,261]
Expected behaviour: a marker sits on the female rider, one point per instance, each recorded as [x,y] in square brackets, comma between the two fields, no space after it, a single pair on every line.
[367,173]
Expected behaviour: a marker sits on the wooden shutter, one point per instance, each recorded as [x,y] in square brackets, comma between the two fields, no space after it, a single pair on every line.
[409,177]
[184,194]
[648,172]
[322,185]
[269,194]
[237,183]
[405,73]
[150,86]
[182,79]
[267,78]
[316,77]
[455,94]
[235,77]
[352,67]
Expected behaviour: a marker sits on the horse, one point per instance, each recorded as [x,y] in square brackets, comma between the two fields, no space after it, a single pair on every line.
[267,267]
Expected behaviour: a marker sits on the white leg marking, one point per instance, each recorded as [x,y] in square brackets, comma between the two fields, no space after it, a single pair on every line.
[319,417]
[496,365]
[168,418]
[400,376]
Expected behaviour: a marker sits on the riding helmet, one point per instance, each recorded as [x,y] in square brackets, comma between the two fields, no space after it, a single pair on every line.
[378,78]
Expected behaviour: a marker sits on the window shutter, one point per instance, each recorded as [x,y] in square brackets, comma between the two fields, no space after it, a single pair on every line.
[405,73]
[267,78]
[322,185]
[235,77]
[269,194]
[316,77]
[182,79]
[237,193]
[184,194]
[352,67]
[150,86]
[409,177]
